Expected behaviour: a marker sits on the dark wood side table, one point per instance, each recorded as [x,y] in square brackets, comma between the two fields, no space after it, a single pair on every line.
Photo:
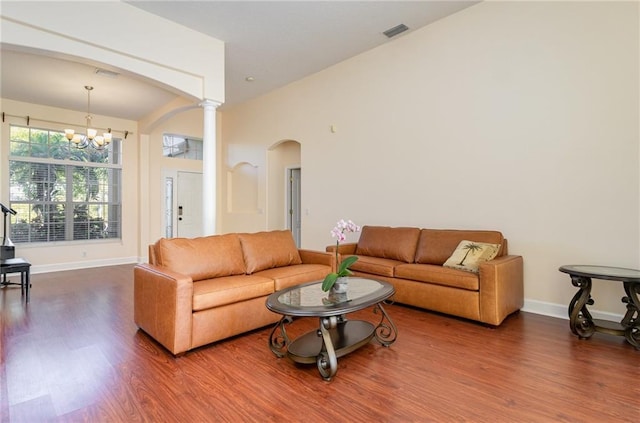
[580,320]
[16,265]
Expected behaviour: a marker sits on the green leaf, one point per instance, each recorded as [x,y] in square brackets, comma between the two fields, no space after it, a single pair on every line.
[329,280]
[346,263]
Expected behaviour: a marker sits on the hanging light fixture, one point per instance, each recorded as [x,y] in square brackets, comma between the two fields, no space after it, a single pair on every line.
[91,137]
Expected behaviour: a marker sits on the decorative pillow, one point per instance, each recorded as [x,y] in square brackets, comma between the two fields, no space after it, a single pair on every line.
[202,258]
[389,243]
[266,250]
[436,245]
[469,254]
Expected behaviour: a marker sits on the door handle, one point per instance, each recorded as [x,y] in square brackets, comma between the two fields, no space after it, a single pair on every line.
[179,210]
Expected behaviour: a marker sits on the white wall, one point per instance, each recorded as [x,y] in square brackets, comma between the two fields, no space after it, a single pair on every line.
[516,116]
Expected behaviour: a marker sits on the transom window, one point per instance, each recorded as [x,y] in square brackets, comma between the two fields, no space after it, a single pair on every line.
[62,193]
[181,147]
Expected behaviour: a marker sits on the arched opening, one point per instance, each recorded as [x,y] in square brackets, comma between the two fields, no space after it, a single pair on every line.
[284,182]
[242,188]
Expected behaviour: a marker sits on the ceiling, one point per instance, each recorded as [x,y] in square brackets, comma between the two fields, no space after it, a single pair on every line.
[272,42]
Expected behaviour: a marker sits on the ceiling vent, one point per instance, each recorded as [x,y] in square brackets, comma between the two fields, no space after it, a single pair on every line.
[107,73]
[399,29]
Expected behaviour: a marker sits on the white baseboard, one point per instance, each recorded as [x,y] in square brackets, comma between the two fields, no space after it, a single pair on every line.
[561,311]
[46,268]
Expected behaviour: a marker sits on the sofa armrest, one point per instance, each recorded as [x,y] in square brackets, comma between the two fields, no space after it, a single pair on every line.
[501,288]
[163,304]
[347,249]
[317,257]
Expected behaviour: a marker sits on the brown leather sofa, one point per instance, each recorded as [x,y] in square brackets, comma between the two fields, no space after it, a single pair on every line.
[197,291]
[412,260]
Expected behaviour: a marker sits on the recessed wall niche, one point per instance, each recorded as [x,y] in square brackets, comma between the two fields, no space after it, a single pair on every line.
[242,188]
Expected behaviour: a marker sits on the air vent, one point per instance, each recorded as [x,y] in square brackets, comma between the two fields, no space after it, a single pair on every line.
[107,73]
[399,29]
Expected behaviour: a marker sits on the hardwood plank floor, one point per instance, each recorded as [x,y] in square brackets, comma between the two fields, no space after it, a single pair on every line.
[73,354]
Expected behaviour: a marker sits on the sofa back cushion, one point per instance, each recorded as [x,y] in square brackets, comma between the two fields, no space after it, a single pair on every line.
[201,258]
[266,250]
[390,243]
[437,245]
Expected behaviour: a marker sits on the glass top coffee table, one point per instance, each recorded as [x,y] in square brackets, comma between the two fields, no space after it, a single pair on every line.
[336,336]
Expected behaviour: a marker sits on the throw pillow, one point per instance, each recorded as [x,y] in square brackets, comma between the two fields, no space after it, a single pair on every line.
[266,250]
[207,257]
[469,254]
[389,243]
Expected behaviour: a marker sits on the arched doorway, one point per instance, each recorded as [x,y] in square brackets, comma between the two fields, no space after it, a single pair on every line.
[284,187]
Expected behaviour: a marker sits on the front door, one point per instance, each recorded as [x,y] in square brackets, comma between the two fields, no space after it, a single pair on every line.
[189,205]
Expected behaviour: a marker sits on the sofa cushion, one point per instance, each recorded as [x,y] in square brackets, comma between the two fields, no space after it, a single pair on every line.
[202,258]
[375,265]
[284,277]
[439,275]
[469,254]
[217,292]
[437,245]
[266,250]
[388,243]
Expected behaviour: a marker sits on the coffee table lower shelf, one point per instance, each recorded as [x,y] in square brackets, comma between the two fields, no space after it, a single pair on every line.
[346,336]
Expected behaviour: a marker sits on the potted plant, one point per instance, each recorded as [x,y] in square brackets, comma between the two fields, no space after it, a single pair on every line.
[339,232]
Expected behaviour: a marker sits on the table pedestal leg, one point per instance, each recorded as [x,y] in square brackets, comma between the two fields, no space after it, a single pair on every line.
[327,360]
[278,339]
[631,320]
[386,332]
[580,319]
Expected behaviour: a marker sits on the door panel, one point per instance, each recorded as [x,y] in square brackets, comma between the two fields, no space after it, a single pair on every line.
[189,204]
[294,205]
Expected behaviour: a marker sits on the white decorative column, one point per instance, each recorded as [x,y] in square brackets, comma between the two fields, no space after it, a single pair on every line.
[209,179]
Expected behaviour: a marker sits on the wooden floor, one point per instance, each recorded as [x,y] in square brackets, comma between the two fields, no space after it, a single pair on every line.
[74,354]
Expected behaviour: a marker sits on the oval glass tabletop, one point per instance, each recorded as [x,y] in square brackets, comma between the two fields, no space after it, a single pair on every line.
[602,272]
[310,300]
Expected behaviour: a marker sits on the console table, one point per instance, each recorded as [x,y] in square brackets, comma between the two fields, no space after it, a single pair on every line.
[16,265]
[336,336]
[580,320]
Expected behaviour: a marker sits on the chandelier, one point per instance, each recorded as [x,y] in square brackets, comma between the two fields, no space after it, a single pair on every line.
[91,137]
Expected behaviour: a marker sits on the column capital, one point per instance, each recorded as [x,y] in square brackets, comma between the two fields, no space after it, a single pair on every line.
[208,104]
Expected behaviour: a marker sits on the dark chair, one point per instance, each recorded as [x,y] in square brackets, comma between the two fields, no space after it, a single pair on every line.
[16,265]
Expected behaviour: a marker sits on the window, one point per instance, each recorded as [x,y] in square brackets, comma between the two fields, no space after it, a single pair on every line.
[62,193]
[181,147]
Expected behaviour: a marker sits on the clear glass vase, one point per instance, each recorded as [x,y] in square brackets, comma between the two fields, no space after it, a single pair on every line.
[340,287]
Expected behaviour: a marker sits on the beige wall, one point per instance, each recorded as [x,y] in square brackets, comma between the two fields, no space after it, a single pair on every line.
[521,117]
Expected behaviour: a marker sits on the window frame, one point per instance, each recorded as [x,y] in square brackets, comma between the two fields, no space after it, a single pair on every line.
[113,189]
[171,147]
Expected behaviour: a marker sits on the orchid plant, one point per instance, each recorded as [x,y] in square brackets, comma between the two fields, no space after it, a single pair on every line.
[339,232]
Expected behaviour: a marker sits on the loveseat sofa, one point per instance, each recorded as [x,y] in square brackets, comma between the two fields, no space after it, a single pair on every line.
[413,261]
[200,290]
